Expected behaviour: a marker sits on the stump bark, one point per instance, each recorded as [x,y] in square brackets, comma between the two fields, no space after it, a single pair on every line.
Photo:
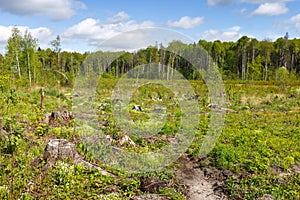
[57,118]
[42,98]
[60,149]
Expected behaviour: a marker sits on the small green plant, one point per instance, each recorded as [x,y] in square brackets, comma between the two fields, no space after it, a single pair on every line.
[42,129]
[129,187]
[287,162]
[171,193]
[15,134]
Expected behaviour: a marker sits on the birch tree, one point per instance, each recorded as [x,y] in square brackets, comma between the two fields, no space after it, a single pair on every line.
[57,49]
[14,49]
[29,45]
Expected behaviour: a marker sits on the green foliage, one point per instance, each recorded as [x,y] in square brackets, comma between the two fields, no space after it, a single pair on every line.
[129,187]
[14,137]
[5,82]
[262,137]
[42,129]
[69,181]
[258,185]
[51,92]
[225,156]
[256,68]
[171,193]
[60,132]
[246,59]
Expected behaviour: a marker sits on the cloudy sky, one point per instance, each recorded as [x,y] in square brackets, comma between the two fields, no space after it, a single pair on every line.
[84,24]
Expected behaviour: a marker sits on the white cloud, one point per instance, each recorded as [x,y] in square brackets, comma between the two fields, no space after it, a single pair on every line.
[92,32]
[54,9]
[232,34]
[219,2]
[234,29]
[229,2]
[264,1]
[186,22]
[271,9]
[44,35]
[266,7]
[119,17]
[243,10]
[69,50]
[296,21]
[4,35]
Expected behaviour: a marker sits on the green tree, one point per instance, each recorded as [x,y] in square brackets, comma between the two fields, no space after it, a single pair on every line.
[266,48]
[255,68]
[29,46]
[230,61]
[282,76]
[57,49]
[218,53]
[14,49]
[281,50]
[1,62]
[242,45]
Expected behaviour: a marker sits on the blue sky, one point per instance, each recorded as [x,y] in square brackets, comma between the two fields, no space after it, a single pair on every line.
[83,25]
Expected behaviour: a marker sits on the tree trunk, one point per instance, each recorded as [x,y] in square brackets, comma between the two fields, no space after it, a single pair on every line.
[18,65]
[117,69]
[168,69]
[34,76]
[150,64]
[58,61]
[42,99]
[28,65]
[159,66]
[266,68]
[243,63]
[172,67]
[292,61]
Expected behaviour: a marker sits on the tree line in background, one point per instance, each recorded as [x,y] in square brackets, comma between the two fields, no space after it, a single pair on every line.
[27,65]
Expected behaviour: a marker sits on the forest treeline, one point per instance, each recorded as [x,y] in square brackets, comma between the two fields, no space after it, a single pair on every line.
[25,64]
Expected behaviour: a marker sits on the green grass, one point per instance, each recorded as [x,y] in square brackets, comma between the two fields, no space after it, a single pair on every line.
[259,143]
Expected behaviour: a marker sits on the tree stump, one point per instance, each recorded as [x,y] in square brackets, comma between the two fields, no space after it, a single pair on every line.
[137,108]
[150,197]
[57,119]
[151,184]
[60,149]
[42,98]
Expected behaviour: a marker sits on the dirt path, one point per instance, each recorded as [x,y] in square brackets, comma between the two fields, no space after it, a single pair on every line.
[201,188]
[198,185]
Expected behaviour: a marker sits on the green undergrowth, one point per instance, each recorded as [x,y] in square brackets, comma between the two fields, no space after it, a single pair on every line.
[259,142]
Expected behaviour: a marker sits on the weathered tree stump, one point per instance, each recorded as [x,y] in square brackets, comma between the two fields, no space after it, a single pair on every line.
[42,98]
[151,184]
[137,108]
[60,149]
[57,118]
[3,133]
[125,140]
[150,197]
